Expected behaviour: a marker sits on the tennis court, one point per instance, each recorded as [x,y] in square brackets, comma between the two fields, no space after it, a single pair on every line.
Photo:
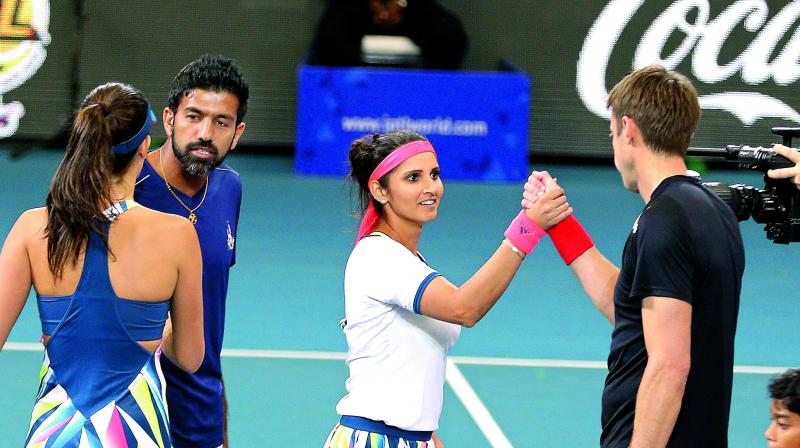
[529,375]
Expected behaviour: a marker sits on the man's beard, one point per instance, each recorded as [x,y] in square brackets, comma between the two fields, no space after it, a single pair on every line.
[197,166]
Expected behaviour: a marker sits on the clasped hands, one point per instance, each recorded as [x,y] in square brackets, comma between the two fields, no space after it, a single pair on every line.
[544,201]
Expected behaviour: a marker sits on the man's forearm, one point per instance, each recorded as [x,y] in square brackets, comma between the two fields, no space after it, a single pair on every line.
[658,403]
[598,276]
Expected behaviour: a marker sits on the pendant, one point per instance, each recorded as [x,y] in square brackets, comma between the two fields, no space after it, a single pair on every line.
[192,218]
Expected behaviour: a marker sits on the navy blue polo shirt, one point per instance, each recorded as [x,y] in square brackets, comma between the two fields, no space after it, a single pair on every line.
[195,400]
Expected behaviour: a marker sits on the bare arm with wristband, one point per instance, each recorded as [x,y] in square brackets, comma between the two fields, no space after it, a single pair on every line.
[597,274]
[468,303]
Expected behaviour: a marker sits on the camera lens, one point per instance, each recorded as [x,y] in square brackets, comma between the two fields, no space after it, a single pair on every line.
[739,197]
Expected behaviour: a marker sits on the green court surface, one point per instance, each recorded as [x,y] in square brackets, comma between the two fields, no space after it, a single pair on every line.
[530,374]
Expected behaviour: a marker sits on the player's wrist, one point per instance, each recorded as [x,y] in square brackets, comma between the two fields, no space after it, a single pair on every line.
[523,234]
[515,249]
[570,238]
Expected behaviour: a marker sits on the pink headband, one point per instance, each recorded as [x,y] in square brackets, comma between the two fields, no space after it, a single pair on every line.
[398,156]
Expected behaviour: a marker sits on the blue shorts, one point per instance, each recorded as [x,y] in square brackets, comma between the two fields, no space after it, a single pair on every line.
[359,432]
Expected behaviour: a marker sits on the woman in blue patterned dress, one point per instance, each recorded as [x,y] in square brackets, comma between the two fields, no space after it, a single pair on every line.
[106,273]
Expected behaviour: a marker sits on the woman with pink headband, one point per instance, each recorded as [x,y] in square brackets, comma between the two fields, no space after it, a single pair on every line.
[401,316]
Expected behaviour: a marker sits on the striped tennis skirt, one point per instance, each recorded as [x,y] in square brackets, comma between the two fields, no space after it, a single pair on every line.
[359,432]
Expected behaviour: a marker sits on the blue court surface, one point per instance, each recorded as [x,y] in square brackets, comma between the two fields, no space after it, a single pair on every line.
[530,374]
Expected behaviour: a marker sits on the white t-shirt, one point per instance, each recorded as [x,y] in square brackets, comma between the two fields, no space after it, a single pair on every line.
[397,357]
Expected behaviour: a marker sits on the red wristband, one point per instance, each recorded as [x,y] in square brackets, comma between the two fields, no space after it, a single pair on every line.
[570,239]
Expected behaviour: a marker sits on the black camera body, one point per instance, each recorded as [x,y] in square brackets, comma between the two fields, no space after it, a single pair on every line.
[777,205]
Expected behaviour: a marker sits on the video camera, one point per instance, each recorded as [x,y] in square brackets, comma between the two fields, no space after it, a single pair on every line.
[777,205]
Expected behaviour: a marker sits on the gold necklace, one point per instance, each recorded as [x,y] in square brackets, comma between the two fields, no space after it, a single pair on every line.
[192,216]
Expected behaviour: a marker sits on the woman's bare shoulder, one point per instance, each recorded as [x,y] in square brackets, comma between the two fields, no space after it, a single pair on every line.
[32,221]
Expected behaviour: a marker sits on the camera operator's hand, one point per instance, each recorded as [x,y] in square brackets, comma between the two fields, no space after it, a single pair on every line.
[783,173]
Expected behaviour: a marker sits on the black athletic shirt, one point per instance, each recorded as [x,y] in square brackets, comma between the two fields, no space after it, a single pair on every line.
[685,245]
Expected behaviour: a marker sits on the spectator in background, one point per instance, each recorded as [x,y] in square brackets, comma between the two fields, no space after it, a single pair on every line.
[784,430]
[436,31]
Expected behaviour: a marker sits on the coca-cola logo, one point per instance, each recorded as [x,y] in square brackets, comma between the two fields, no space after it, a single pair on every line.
[702,40]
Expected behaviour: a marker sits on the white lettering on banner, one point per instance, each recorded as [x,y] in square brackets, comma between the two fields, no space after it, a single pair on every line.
[596,51]
[656,36]
[23,37]
[427,126]
[704,39]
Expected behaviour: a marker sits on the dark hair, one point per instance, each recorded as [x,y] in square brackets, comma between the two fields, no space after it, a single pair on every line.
[786,389]
[664,105]
[214,73]
[81,187]
[365,155]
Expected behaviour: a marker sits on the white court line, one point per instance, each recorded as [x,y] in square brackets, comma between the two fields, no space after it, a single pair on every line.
[283,354]
[464,360]
[577,364]
[517,362]
[23,346]
[475,407]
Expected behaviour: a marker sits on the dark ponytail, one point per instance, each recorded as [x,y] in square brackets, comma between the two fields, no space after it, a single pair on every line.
[81,187]
[366,153]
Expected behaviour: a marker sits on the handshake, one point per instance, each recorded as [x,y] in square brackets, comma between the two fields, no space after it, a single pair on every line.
[545,210]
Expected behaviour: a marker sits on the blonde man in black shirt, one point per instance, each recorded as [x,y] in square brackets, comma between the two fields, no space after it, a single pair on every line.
[674,300]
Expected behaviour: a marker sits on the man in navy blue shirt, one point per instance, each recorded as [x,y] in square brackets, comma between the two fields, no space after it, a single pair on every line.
[186,176]
[675,300]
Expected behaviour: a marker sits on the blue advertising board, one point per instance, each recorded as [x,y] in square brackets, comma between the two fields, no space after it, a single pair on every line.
[477,121]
